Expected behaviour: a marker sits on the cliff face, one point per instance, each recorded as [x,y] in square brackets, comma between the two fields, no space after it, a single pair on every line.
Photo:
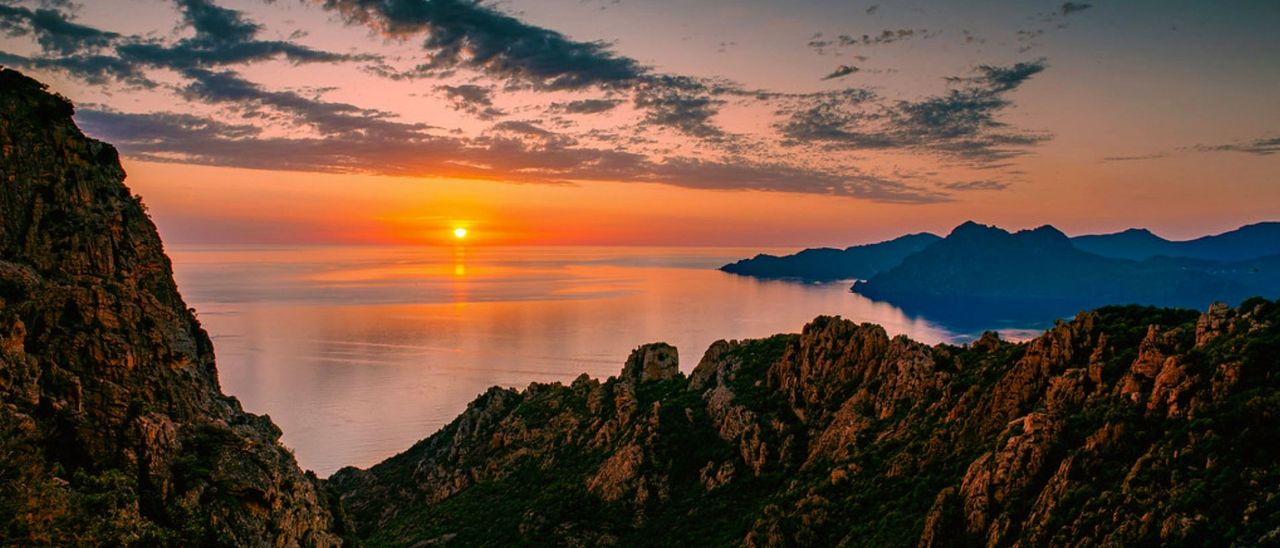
[112,426]
[1124,426]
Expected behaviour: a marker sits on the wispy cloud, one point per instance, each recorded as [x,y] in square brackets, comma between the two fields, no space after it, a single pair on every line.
[1069,8]
[822,44]
[586,106]
[171,137]
[474,99]
[840,72]
[1264,146]
[961,123]
[983,184]
[1261,146]
[1135,157]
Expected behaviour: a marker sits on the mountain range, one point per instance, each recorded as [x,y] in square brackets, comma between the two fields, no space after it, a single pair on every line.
[861,262]
[1244,243]
[1123,426]
[826,264]
[982,275]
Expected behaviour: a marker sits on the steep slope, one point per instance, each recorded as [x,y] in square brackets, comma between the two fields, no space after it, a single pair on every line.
[1124,426]
[113,429]
[827,264]
[1242,244]
[983,275]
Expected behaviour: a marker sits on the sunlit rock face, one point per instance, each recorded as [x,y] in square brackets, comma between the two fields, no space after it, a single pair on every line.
[652,362]
[113,429]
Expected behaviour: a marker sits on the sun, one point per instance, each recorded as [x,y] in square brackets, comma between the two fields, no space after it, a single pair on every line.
[459,233]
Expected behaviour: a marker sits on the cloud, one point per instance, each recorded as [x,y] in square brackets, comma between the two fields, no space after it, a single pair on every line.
[744,175]
[1069,8]
[1151,156]
[960,123]
[523,128]
[217,24]
[476,100]
[887,36]
[53,30]
[462,34]
[840,72]
[1264,146]
[162,126]
[465,34]
[836,118]
[222,37]
[334,120]
[586,106]
[681,104]
[171,137]
[966,186]
[93,69]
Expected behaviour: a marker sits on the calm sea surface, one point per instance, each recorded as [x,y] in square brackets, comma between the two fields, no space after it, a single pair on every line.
[358,352]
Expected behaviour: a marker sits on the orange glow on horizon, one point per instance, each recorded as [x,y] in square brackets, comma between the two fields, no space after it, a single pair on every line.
[199,204]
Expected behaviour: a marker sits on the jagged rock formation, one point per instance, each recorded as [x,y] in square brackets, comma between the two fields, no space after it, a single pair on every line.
[113,429]
[1124,426]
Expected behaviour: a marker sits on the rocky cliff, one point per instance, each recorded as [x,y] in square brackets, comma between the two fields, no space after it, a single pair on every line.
[113,429]
[1123,426]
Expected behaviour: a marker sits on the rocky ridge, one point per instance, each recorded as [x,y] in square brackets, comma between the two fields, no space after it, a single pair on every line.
[1123,426]
[113,429]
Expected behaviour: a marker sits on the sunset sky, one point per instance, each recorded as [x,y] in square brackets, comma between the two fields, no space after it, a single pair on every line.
[752,122]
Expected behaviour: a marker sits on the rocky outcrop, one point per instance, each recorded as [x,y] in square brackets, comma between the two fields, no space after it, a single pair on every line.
[113,429]
[652,362]
[1123,426]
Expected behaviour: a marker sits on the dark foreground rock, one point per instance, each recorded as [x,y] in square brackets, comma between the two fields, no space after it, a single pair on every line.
[112,427]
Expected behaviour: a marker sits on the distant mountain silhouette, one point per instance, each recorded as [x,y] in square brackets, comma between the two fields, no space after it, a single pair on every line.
[827,264]
[1242,244]
[982,275]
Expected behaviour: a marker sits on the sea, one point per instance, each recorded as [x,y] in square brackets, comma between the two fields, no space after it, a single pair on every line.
[359,352]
